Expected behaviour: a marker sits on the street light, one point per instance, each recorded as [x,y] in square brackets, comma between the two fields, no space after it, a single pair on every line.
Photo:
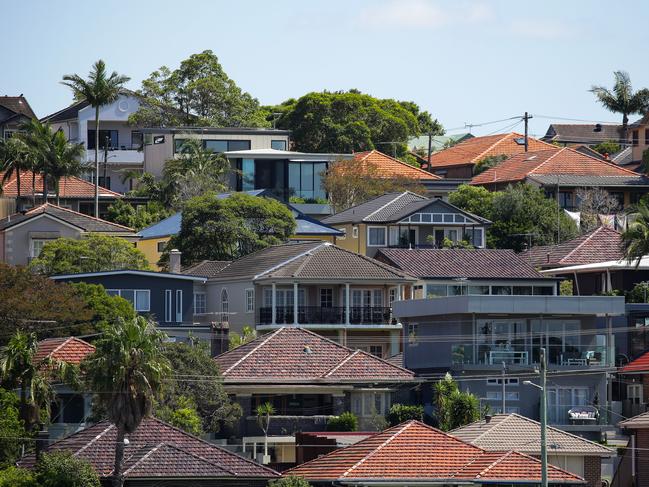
[544,419]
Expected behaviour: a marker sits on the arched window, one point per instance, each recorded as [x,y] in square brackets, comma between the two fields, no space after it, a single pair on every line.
[225,307]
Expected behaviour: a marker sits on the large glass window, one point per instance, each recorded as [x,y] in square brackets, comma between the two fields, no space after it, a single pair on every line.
[113,139]
[238,145]
[278,144]
[478,290]
[247,174]
[139,298]
[501,290]
[216,145]
[305,179]
[435,290]
[474,237]
[136,140]
[376,236]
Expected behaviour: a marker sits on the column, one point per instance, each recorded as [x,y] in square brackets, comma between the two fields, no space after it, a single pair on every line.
[274,304]
[394,343]
[347,305]
[400,292]
[295,304]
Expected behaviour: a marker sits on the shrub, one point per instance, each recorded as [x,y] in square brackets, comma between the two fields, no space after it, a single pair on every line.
[290,482]
[17,477]
[639,293]
[345,422]
[402,412]
[64,470]
[565,288]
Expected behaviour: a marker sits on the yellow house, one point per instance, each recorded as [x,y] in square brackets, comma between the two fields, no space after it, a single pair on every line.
[405,220]
[153,240]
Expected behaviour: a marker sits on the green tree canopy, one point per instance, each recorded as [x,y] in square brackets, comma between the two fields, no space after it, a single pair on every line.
[198,93]
[347,121]
[207,397]
[105,308]
[347,421]
[399,413]
[17,477]
[290,481]
[488,162]
[635,239]
[609,147]
[226,229]
[12,430]
[62,469]
[454,408]
[519,213]
[124,213]
[93,253]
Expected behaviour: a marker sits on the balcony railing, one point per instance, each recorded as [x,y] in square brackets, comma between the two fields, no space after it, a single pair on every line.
[310,315]
[568,355]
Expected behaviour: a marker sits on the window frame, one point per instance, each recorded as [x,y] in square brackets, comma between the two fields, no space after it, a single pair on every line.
[385,236]
[224,306]
[179,305]
[168,305]
[284,143]
[203,294]
[249,295]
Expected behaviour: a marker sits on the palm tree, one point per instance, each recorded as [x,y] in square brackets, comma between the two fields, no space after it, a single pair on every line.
[635,239]
[127,371]
[622,99]
[14,158]
[65,159]
[264,413]
[98,90]
[19,367]
[37,137]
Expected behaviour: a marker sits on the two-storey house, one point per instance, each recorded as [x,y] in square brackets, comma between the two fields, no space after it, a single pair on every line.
[406,220]
[314,285]
[14,111]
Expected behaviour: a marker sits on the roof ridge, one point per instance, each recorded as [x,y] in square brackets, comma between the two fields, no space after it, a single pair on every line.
[289,260]
[146,455]
[95,439]
[50,205]
[493,464]
[341,363]
[60,345]
[418,169]
[254,349]
[587,239]
[388,203]
[371,260]
[492,146]
[377,449]
[552,156]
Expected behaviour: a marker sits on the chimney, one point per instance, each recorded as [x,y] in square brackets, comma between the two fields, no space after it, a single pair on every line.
[174,261]
[220,338]
[487,418]
[42,441]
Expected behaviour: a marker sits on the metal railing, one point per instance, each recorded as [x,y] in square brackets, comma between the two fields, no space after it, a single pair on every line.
[336,315]
[568,356]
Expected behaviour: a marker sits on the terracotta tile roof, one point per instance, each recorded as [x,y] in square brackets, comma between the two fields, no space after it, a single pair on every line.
[389,167]
[600,245]
[66,349]
[472,150]
[83,222]
[455,263]
[156,450]
[296,355]
[552,161]
[516,432]
[638,366]
[70,187]
[17,104]
[413,451]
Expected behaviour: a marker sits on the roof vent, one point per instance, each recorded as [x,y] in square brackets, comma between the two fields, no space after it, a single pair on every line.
[598,127]
[307,350]
[487,418]
[520,140]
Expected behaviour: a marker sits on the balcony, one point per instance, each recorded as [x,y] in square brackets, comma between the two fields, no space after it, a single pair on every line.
[316,315]
[124,154]
[582,356]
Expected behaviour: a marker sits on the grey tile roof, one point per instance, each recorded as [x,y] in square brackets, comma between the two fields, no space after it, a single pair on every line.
[330,262]
[515,432]
[392,207]
[68,113]
[456,263]
[79,220]
[206,268]
[582,133]
[588,181]
[265,259]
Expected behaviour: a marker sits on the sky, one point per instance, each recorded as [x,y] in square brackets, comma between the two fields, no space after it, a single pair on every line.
[466,62]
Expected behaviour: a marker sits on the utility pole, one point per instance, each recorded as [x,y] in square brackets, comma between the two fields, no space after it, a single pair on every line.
[526,118]
[503,387]
[544,422]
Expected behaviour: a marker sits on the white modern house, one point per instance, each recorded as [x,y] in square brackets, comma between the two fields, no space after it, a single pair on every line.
[120,144]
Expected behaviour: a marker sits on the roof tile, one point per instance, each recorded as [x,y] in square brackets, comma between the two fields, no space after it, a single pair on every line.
[71,350]
[389,167]
[70,187]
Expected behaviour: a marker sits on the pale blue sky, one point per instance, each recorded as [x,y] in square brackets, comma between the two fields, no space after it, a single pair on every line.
[463,61]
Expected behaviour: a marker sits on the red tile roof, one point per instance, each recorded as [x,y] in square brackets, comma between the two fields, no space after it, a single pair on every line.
[296,355]
[67,349]
[413,451]
[600,245]
[638,366]
[548,162]
[472,150]
[69,187]
[389,167]
[156,450]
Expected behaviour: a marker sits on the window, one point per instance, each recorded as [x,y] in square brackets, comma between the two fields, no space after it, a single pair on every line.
[435,290]
[355,232]
[278,144]
[168,305]
[376,236]
[543,290]
[634,393]
[368,403]
[136,140]
[37,246]
[110,136]
[326,298]
[501,290]
[412,333]
[635,136]
[522,290]
[161,246]
[457,290]
[216,145]
[509,381]
[178,144]
[225,306]
[250,300]
[200,303]
[376,350]
[344,236]
[238,145]
[474,237]
[498,395]
[478,290]
[247,174]
[179,306]
[139,298]
[392,295]
[646,136]
[9,133]
[565,199]
[304,179]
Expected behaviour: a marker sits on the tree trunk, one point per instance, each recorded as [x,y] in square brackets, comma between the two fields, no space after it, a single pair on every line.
[97,161]
[118,481]
[58,195]
[45,183]
[625,124]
